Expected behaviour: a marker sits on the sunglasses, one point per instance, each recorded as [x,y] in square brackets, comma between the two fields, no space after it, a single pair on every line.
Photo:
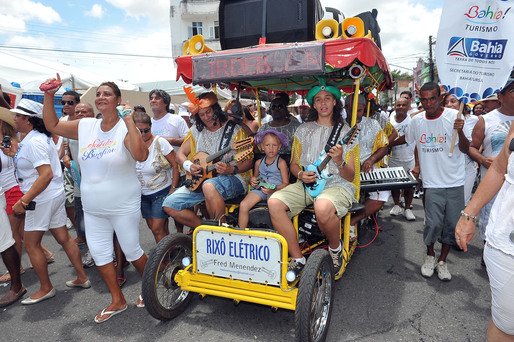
[69,103]
[279,106]
[146,130]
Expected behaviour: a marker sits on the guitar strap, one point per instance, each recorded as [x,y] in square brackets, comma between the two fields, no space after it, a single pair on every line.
[332,140]
[227,134]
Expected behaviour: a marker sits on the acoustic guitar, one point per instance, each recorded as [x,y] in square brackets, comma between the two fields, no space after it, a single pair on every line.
[243,149]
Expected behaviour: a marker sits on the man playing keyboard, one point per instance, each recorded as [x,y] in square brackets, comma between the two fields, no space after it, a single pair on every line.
[373,144]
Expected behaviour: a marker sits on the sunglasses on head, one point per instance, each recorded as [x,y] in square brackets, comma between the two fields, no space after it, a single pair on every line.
[146,130]
[278,106]
[69,103]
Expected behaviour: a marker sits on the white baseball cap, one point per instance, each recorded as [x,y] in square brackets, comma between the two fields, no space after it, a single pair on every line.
[301,102]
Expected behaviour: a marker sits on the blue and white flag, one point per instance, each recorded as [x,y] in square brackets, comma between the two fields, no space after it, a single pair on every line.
[475,47]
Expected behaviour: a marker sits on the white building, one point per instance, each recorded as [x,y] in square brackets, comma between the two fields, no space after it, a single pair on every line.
[191,17]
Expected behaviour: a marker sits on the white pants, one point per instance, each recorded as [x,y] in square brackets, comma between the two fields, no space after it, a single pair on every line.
[100,231]
[500,269]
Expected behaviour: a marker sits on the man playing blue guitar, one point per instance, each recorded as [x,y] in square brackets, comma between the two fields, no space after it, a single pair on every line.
[337,196]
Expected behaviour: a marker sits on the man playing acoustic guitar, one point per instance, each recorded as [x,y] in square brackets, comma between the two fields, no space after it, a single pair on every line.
[338,194]
[211,133]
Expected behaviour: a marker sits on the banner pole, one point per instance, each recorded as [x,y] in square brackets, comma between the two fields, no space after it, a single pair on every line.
[461,109]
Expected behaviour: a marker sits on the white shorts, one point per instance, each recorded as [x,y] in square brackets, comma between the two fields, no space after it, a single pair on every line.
[6,239]
[47,215]
[100,231]
[500,268]
[380,195]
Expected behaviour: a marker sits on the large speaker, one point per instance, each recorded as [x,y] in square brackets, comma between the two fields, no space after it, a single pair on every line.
[286,21]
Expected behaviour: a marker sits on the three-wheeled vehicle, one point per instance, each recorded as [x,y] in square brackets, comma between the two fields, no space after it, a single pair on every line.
[251,264]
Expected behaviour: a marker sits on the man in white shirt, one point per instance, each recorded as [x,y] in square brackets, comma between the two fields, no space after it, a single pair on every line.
[301,108]
[169,126]
[443,176]
[402,155]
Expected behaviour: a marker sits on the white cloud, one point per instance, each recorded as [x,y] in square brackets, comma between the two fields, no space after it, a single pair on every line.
[156,10]
[10,25]
[33,42]
[97,11]
[29,10]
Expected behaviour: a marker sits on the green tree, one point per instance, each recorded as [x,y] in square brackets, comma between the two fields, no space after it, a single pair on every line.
[398,75]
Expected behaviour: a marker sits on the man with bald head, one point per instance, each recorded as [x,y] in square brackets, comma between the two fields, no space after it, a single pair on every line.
[84,110]
[402,155]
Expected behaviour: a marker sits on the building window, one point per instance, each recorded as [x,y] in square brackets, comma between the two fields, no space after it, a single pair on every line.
[215,30]
[195,29]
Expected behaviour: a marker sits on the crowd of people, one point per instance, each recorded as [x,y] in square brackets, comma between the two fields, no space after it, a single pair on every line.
[130,163]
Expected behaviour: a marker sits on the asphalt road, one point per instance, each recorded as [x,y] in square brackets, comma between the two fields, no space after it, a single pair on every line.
[381,297]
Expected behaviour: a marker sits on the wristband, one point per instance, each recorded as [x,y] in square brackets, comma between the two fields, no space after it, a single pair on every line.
[24,205]
[298,175]
[468,216]
[52,95]
[187,165]
[236,170]
[343,164]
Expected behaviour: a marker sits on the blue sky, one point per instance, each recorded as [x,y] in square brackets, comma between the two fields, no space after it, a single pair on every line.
[133,27]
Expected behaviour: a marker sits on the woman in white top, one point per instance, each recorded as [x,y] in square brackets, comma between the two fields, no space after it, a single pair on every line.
[40,177]
[158,178]
[111,194]
[499,247]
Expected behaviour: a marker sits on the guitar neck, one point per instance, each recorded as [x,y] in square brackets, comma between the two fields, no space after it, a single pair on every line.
[229,160]
[324,163]
[218,154]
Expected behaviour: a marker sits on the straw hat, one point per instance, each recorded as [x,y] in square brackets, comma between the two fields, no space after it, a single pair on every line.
[7,116]
[29,108]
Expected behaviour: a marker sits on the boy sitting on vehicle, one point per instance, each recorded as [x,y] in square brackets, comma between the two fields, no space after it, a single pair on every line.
[271,170]
[338,195]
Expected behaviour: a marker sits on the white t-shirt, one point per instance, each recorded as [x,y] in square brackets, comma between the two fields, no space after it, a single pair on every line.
[37,149]
[7,178]
[170,126]
[109,181]
[149,173]
[433,137]
[496,128]
[405,152]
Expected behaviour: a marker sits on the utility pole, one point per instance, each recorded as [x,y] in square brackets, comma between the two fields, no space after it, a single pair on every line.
[431,59]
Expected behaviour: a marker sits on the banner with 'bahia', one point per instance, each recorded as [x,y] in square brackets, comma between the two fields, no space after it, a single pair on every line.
[474,49]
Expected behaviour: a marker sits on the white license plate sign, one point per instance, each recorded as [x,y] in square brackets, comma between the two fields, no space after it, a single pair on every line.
[238,256]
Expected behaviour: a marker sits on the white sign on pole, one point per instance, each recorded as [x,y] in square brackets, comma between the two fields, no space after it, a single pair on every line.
[474,51]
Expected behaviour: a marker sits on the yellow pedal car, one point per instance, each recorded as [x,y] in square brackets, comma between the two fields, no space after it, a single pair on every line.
[251,264]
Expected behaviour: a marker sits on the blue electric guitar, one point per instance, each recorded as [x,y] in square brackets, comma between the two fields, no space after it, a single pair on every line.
[322,174]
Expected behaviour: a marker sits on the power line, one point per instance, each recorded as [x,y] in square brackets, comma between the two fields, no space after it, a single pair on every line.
[399,66]
[83,52]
